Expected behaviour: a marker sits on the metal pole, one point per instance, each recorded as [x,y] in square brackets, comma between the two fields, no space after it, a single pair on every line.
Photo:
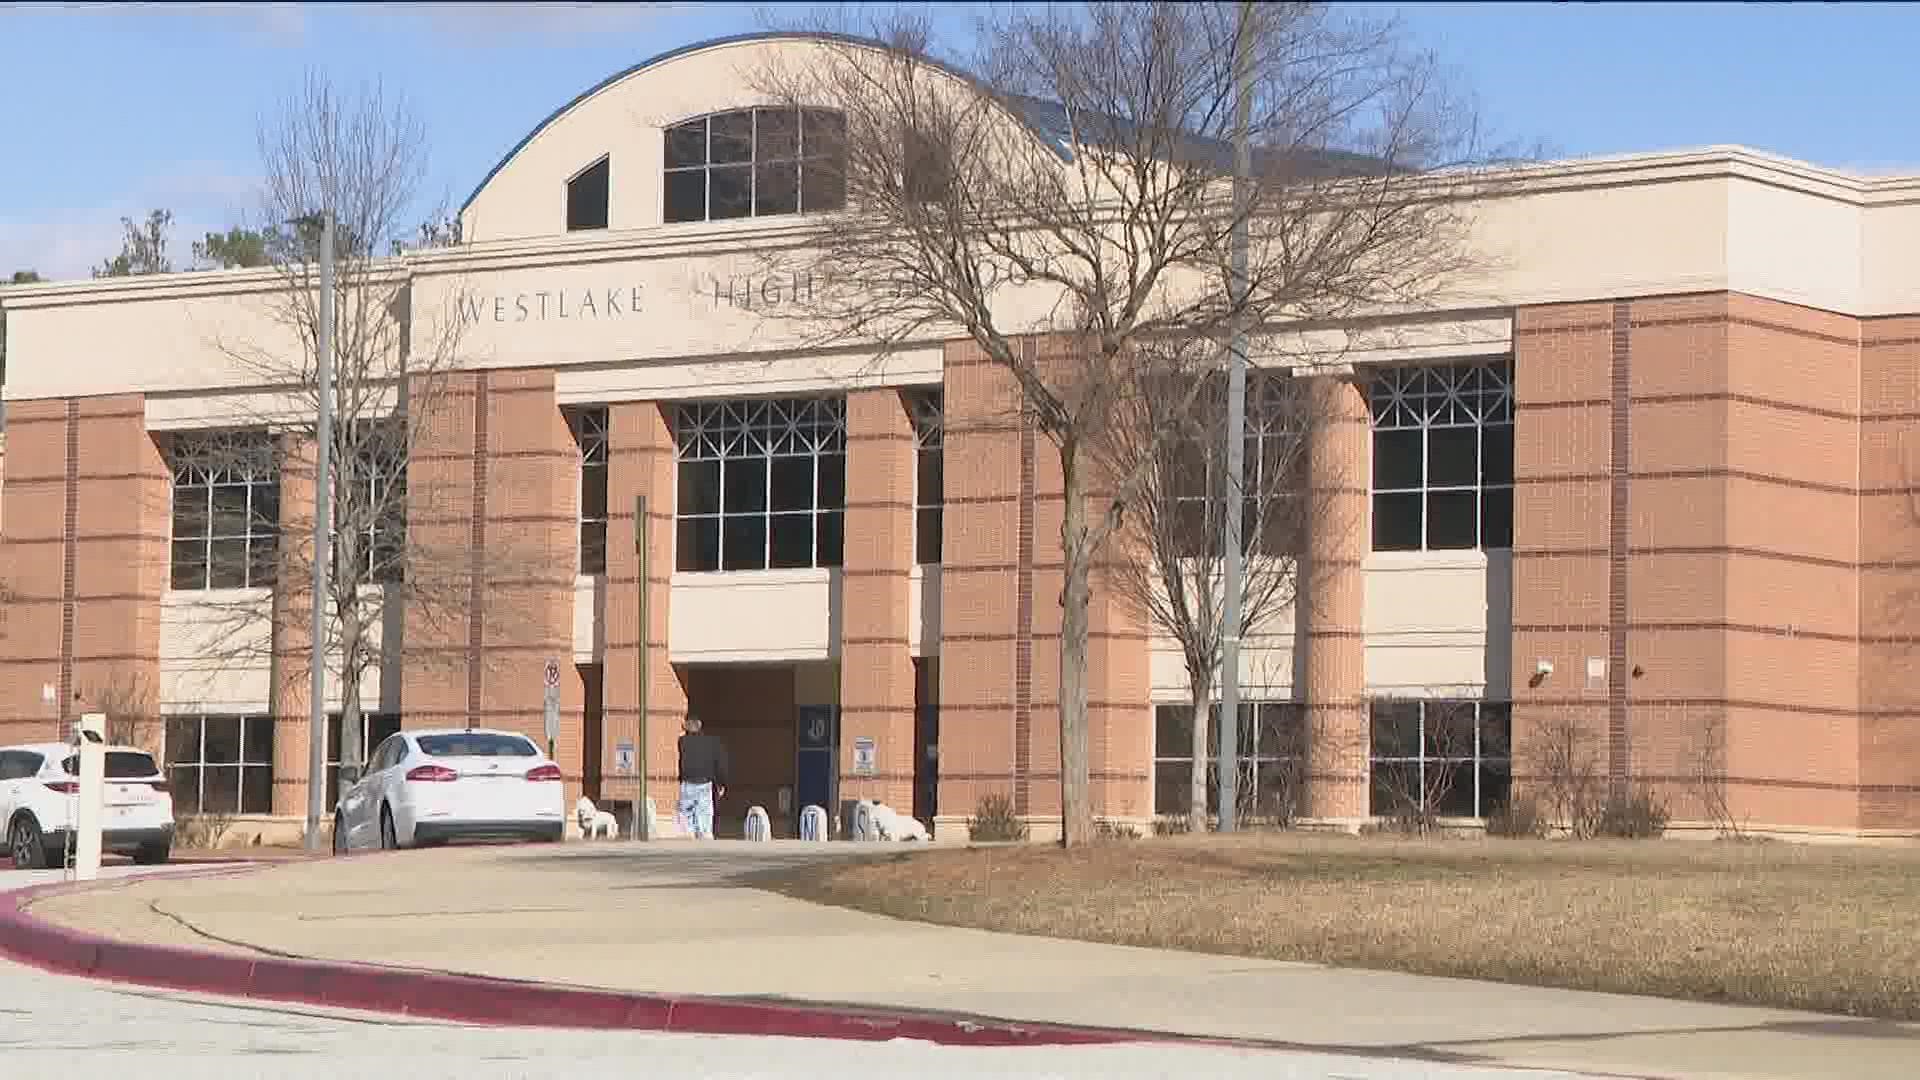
[642,821]
[322,555]
[1229,775]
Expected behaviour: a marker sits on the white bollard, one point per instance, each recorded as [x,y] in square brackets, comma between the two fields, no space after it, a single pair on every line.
[863,823]
[758,827]
[813,823]
[91,734]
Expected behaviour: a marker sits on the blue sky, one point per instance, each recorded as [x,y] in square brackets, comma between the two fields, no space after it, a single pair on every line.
[110,111]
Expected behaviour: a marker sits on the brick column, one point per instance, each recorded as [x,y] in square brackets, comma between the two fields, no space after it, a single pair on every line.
[441,510]
[33,541]
[640,462]
[1333,603]
[876,668]
[293,628]
[985,631]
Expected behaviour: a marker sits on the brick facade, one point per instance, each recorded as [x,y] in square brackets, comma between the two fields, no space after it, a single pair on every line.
[1712,511]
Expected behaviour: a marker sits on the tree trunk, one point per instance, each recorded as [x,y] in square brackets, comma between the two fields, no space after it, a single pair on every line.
[1201,680]
[1076,801]
[352,641]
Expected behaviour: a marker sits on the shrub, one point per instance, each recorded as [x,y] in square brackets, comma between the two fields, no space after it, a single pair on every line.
[995,819]
[1635,816]
[1113,830]
[1170,825]
[1520,819]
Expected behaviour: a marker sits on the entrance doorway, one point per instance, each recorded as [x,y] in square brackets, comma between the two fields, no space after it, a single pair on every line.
[926,739]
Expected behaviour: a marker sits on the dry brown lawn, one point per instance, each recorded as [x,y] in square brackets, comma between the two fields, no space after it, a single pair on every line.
[1828,928]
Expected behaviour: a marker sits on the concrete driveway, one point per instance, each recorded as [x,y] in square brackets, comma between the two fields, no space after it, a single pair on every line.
[683,918]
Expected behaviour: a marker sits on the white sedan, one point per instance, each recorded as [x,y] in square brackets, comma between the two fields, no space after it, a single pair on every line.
[428,787]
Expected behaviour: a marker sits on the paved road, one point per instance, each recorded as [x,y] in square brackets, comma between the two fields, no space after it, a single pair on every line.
[676,918]
[55,1025]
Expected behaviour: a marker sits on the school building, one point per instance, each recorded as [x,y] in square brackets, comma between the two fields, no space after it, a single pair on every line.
[1652,475]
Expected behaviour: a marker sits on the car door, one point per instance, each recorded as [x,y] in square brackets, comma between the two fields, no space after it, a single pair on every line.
[12,772]
[374,786]
[354,814]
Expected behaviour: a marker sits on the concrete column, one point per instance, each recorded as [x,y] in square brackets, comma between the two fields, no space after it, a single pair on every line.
[293,628]
[640,462]
[876,668]
[1333,604]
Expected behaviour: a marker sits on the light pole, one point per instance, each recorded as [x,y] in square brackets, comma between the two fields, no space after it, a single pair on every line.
[1228,779]
[322,535]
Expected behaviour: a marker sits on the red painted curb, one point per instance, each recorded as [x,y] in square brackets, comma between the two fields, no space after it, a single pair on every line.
[478,999]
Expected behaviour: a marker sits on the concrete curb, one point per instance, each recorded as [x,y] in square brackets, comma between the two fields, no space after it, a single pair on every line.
[477,999]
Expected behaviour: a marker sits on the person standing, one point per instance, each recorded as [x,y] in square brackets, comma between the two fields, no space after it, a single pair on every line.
[703,778]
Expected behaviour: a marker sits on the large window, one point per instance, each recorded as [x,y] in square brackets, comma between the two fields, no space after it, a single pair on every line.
[220,764]
[1273,472]
[1438,758]
[929,491]
[226,509]
[377,508]
[374,728]
[587,197]
[763,483]
[1271,752]
[754,163]
[1443,457]
[589,427]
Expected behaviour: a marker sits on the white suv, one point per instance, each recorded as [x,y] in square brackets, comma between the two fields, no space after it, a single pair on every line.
[39,785]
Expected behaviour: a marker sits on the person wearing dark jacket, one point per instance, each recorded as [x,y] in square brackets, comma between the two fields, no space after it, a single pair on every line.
[703,778]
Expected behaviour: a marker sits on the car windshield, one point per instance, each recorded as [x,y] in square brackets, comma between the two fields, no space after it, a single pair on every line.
[121,765]
[475,744]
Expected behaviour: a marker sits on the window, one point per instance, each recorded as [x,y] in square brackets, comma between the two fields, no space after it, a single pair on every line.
[1271,754]
[1273,474]
[1443,457]
[19,765]
[220,764]
[589,427]
[755,163]
[929,490]
[763,483]
[476,744]
[376,512]
[1441,758]
[226,509]
[120,765]
[374,727]
[587,197]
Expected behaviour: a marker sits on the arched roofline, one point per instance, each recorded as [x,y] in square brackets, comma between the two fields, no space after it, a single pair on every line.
[1057,145]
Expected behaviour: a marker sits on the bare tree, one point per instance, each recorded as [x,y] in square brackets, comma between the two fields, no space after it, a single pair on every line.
[1069,209]
[1173,570]
[131,704]
[362,158]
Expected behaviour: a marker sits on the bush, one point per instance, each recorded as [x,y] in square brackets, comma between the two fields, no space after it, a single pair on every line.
[1170,825]
[994,820]
[1112,830]
[1636,816]
[1520,819]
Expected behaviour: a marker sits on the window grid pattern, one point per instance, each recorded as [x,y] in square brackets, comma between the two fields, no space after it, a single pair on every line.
[1269,752]
[590,437]
[381,465]
[762,483]
[226,510]
[1273,462]
[220,764]
[1450,758]
[929,488]
[755,163]
[374,729]
[1443,457]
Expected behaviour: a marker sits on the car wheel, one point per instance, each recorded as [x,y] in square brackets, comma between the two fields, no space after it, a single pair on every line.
[27,846]
[153,854]
[339,836]
[389,839]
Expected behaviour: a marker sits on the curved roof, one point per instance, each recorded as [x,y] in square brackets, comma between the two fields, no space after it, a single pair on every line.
[1035,121]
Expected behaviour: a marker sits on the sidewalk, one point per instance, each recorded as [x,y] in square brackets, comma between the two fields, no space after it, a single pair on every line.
[675,918]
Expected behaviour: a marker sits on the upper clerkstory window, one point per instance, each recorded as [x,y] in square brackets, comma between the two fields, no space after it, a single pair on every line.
[754,163]
[587,197]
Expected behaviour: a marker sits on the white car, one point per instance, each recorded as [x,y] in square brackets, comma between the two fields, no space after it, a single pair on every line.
[428,787]
[39,787]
